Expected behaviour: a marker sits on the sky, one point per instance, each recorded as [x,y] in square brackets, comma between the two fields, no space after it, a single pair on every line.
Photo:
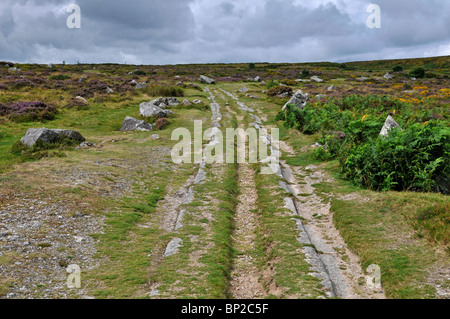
[221,31]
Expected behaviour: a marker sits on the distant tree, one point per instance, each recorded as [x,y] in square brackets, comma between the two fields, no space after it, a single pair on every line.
[397,68]
[305,74]
[418,72]
[251,66]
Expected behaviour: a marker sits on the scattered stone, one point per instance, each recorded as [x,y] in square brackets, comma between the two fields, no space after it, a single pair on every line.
[179,83]
[163,102]
[284,95]
[388,125]
[331,88]
[201,176]
[299,100]
[133,82]
[14,69]
[173,247]
[197,101]
[141,85]
[148,109]
[388,76]
[363,78]
[243,90]
[132,124]
[81,99]
[186,103]
[154,293]
[82,79]
[85,145]
[207,80]
[155,137]
[51,66]
[255,79]
[320,96]
[316,78]
[109,90]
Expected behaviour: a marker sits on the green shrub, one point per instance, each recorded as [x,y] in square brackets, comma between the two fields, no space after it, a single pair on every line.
[397,68]
[60,77]
[164,91]
[305,74]
[418,72]
[140,73]
[251,66]
[289,82]
[415,159]
[271,83]
[279,89]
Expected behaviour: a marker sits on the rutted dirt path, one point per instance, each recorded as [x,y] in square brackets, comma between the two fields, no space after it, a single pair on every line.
[325,250]
[337,266]
[244,283]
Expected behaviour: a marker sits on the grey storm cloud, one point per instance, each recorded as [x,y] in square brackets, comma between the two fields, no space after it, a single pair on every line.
[194,31]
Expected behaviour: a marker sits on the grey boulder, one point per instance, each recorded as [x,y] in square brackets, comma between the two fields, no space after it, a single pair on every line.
[388,125]
[132,124]
[207,80]
[141,85]
[299,100]
[316,78]
[163,102]
[149,109]
[186,103]
[47,136]
[388,76]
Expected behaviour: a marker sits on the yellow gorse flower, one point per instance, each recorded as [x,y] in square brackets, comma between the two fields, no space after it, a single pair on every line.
[364,117]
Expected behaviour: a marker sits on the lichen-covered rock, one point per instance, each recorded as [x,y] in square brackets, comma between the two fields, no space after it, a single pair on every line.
[299,100]
[316,78]
[207,80]
[141,85]
[148,109]
[388,125]
[132,124]
[47,136]
[186,103]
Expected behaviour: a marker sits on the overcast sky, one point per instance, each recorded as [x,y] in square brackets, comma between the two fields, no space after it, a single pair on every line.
[207,31]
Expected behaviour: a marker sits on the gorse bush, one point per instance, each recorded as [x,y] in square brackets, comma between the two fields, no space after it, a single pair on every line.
[415,158]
